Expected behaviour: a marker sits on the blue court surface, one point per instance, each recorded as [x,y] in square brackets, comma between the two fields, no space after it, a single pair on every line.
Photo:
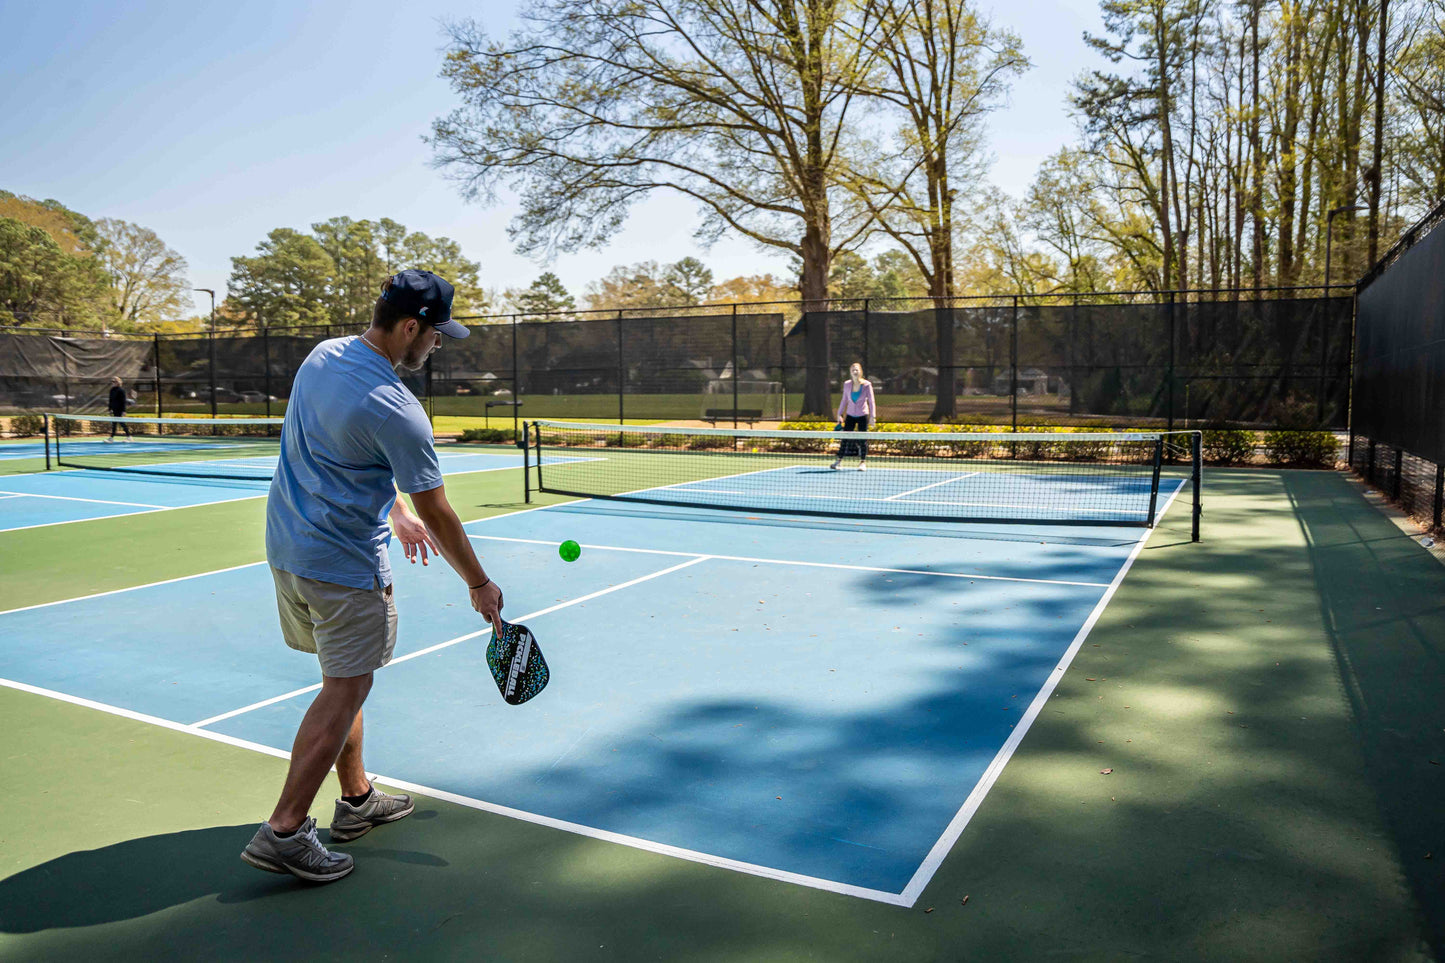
[821,702]
[72,495]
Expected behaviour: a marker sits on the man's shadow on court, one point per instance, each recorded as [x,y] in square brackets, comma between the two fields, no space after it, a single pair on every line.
[138,877]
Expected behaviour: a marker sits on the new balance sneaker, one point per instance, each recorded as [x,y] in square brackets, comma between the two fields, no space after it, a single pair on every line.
[353,821]
[301,854]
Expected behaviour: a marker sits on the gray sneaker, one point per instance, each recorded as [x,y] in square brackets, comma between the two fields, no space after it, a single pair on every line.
[301,855]
[353,821]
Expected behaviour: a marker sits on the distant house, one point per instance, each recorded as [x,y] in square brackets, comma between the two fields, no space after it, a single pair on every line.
[1032,381]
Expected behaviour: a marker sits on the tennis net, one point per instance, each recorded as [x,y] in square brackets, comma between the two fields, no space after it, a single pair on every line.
[1052,477]
[223,448]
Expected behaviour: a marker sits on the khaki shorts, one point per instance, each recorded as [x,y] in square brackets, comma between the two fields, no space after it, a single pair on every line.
[351,631]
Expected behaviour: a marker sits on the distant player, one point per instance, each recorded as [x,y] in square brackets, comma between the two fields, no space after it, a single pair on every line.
[857,411]
[353,435]
[116,403]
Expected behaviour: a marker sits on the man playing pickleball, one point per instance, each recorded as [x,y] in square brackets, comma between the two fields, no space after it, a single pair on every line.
[352,437]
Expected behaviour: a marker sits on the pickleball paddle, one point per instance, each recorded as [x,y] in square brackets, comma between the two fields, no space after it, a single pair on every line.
[516,662]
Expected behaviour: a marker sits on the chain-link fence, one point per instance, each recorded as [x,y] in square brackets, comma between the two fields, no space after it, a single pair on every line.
[1397,430]
[1171,360]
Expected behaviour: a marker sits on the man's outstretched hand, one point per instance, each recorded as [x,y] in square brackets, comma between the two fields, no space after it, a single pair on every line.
[413,534]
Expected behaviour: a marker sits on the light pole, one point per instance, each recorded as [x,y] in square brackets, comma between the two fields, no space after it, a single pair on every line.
[211,338]
[213,301]
[1330,235]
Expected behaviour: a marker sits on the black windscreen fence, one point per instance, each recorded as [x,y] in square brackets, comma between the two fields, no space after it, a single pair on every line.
[1397,433]
[1266,363]
[1104,360]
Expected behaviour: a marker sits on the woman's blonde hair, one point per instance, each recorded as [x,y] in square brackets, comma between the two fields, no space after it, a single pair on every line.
[116,381]
[859,366]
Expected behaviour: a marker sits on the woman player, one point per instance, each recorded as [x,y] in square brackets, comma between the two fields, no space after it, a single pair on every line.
[857,411]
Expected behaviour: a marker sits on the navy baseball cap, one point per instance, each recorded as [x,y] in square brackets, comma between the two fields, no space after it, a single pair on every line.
[425,296]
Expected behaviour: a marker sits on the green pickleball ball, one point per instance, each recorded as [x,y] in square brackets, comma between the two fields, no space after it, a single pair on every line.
[569,550]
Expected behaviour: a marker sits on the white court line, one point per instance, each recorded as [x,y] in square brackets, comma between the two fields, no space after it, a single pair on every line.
[785,561]
[845,497]
[131,588]
[590,832]
[218,571]
[72,498]
[223,501]
[955,828]
[924,488]
[149,511]
[16,495]
[450,642]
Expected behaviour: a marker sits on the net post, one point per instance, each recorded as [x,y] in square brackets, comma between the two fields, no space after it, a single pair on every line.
[45,427]
[537,434]
[1196,471]
[1154,483]
[526,462]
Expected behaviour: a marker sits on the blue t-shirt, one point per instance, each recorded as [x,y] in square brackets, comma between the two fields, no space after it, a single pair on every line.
[351,429]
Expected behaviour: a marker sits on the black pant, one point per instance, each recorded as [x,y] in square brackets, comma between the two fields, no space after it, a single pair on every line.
[860,448]
[119,424]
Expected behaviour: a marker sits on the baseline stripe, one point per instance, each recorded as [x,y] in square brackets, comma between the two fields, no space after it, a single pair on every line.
[634,842]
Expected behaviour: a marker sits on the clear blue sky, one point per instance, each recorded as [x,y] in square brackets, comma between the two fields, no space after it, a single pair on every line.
[213,123]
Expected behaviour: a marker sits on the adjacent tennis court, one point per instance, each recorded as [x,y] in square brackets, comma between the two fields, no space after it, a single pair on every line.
[774,683]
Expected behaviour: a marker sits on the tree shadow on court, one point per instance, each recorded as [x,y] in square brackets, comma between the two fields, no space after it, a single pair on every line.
[1235,821]
[1388,634]
[140,877]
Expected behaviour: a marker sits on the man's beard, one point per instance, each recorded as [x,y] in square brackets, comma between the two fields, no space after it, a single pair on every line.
[414,357]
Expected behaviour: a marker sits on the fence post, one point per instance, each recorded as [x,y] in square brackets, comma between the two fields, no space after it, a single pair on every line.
[1073,340]
[158,375]
[1324,316]
[516,384]
[1350,373]
[1169,418]
[736,372]
[211,343]
[266,359]
[621,378]
[1013,365]
[867,369]
[1439,494]
[1370,463]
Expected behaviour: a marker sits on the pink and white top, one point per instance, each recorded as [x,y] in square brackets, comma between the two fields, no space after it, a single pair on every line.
[858,401]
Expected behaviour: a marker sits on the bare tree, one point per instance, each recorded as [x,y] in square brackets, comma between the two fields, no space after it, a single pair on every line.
[740,106]
[147,279]
[940,69]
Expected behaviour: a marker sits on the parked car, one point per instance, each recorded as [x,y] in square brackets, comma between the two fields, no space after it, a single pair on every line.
[256,397]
